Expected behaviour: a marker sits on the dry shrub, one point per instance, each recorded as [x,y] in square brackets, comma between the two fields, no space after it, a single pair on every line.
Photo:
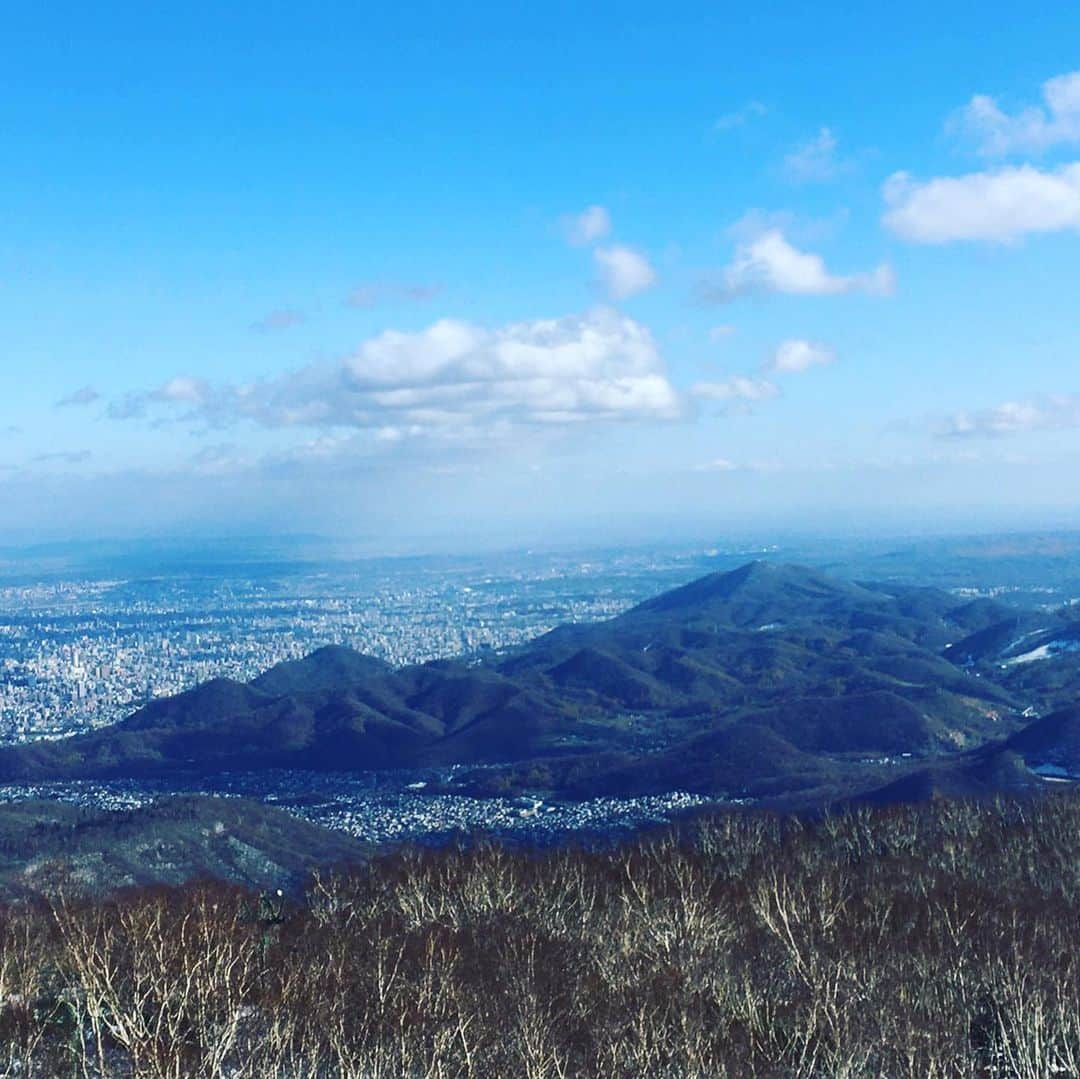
[928,941]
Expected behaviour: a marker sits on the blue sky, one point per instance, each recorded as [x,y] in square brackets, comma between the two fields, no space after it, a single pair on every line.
[523,271]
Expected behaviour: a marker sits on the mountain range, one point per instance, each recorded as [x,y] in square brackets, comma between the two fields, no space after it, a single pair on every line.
[774,683]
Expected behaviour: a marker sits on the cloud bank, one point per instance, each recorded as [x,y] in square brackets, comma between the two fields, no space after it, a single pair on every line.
[448,380]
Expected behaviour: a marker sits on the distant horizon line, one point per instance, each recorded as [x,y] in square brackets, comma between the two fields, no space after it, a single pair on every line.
[290,547]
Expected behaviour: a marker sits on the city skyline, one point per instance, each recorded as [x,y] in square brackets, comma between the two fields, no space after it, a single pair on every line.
[458,278]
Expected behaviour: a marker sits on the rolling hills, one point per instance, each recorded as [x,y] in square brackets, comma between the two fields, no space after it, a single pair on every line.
[768,682]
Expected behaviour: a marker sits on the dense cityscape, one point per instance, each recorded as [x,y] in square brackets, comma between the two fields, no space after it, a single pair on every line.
[80,653]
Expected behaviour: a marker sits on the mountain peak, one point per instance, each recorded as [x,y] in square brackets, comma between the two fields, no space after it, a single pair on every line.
[333,666]
[761,592]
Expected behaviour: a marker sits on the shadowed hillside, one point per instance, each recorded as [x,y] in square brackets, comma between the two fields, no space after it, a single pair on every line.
[846,687]
[45,845]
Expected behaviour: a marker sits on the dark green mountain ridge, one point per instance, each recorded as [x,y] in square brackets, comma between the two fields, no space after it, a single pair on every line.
[766,681]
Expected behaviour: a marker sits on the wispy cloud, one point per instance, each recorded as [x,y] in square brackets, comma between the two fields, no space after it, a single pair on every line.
[379,293]
[282,319]
[65,457]
[816,160]
[87,395]
[1000,206]
[1033,129]
[589,226]
[738,117]
[623,272]
[220,458]
[1015,418]
[769,263]
[737,388]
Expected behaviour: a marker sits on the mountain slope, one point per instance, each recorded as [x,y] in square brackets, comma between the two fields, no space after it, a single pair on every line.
[768,674]
[759,594]
[44,843]
[1053,741]
[332,667]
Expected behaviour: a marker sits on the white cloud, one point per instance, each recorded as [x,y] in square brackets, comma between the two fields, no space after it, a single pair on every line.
[623,271]
[737,388]
[795,356]
[1015,417]
[770,264]
[720,333]
[183,389]
[731,120]
[720,464]
[453,379]
[592,224]
[791,357]
[815,160]
[1001,206]
[1034,129]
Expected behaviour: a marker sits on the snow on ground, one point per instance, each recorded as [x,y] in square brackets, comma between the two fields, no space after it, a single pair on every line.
[1053,773]
[1044,651]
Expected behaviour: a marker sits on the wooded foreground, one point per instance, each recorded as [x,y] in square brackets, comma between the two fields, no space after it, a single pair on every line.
[938,940]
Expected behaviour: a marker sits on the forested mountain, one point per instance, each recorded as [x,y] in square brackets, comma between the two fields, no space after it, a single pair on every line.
[768,682]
